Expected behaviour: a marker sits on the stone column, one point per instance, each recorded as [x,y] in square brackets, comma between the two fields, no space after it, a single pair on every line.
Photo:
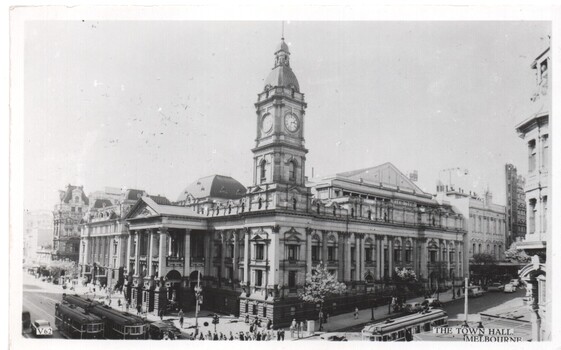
[235,256]
[377,248]
[448,265]
[162,252]
[424,253]
[186,252]
[348,257]
[382,260]
[324,235]
[150,251]
[309,233]
[246,258]
[358,258]
[457,253]
[390,257]
[414,256]
[129,250]
[362,257]
[137,254]
[222,256]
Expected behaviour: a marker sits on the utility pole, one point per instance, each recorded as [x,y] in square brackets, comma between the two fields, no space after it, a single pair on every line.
[466,303]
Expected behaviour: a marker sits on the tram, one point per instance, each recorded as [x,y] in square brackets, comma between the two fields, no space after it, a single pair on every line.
[117,324]
[76,323]
[403,328]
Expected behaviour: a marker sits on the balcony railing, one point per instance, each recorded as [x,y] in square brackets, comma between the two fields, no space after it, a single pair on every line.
[172,261]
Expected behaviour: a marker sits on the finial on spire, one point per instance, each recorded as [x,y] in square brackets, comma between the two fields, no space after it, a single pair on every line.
[282,33]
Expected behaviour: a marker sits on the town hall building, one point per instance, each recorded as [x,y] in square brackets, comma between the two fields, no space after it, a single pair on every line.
[250,248]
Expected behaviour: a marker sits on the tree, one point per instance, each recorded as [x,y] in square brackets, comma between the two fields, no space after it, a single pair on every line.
[516,255]
[320,284]
[485,266]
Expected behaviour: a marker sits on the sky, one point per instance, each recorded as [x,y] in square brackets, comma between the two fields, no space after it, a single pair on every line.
[155,105]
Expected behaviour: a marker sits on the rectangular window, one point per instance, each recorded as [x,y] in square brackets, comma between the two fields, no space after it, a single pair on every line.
[315,252]
[397,255]
[432,256]
[368,254]
[545,151]
[353,254]
[531,155]
[292,252]
[259,251]
[532,216]
[258,278]
[331,253]
[291,279]
[544,215]
[408,256]
[254,309]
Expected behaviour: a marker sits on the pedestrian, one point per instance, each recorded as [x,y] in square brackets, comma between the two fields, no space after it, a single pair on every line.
[215,337]
[278,335]
[231,336]
[251,328]
[301,329]
[269,324]
[201,336]
[282,334]
[293,327]
[161,313]
[180,314]
[327,318]
[242,336]
[356,313]
[119,302]
[128,305]
[247,318]
[138,309]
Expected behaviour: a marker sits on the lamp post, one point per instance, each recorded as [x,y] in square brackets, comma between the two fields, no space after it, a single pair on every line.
[198,290]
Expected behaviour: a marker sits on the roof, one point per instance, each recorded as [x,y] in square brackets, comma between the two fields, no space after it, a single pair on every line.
[282,46]
[160,200]
[133,194]
[216,186]
[282,76]
[66,196]
[102,203]
[386,173]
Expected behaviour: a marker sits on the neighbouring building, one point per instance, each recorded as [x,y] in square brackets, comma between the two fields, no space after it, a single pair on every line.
[67,215]
[515,205]
[535,131]
[37,233]
[103,235]
[251,247]
[486,227]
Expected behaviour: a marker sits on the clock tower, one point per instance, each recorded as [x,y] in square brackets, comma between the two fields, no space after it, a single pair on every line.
[279,154]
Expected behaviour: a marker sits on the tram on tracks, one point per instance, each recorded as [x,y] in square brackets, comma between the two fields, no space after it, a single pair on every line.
[117,324]
[76,323]
[403,328]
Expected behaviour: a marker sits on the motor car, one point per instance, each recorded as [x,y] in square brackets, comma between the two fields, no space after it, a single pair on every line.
[509,288]
[514,282]
[42,328]
[25,319]
[495,287]
[413,307]
[159,329]
[432,302]
[475,291]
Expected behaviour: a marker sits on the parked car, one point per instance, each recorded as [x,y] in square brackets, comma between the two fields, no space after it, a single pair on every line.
[509,288]
[514,282]
[413,307]
[42,328]
[25,319]
[432,302]
[495,287]
[475,291]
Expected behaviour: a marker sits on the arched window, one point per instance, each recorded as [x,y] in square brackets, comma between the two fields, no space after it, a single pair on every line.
[263,171]
[291,171]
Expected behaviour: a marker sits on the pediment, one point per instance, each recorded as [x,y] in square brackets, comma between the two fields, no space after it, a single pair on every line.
[141,210]
[292,235]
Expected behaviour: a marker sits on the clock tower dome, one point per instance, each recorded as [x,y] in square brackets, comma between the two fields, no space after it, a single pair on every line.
[279,154]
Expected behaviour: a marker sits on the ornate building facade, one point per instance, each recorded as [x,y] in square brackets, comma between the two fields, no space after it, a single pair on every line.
[515,205]
[252,247]
[536,133]
[67,215]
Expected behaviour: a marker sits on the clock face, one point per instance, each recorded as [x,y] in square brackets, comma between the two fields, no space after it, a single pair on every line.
[291,122]
[267,123]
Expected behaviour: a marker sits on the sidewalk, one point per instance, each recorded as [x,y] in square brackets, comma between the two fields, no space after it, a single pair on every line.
[347,320]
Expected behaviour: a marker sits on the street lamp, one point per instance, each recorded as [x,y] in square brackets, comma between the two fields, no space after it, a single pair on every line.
[198,291]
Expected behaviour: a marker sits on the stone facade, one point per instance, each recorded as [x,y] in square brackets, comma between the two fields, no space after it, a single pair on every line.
[515,205]
[254,246]
[67,215]
[537,243]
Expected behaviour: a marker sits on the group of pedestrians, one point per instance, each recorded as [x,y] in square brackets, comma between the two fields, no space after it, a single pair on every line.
[261,335]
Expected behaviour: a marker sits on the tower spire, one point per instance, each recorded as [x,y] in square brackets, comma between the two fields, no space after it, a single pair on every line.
[282,32]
